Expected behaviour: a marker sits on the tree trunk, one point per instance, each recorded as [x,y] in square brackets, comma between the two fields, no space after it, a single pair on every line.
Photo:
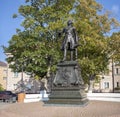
[90,86]
[91,81]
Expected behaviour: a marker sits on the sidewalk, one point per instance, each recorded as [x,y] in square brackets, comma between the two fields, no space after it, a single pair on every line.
[38,109]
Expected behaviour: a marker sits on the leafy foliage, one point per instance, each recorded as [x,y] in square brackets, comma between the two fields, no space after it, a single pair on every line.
[38,47]
[114,43]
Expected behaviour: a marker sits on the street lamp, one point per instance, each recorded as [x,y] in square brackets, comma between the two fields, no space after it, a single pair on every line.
[113,74]
[22,78]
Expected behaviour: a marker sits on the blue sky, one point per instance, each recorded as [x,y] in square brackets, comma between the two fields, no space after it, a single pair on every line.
[8,25]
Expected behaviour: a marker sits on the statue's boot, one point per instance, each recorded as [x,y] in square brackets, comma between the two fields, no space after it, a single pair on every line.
[64,59]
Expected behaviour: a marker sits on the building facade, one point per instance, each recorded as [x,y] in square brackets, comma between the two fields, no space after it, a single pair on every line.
[110,81]
[15,80]
[3,74]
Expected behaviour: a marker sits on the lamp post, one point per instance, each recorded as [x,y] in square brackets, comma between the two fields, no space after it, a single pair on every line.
[22,79]
[113,74]
[22,75]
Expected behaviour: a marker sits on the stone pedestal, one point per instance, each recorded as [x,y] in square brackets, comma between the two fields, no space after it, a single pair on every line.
[68,87]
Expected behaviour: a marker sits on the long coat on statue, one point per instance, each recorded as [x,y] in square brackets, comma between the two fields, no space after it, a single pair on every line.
[70,41]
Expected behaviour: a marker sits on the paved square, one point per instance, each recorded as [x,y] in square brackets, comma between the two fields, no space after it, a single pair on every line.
[93,109]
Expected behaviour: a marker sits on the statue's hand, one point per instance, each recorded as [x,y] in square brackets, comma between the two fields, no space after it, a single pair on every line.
[59,34]
[76,45]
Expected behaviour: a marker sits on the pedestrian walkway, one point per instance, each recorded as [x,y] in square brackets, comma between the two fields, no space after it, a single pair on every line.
[4,105]
[38,109]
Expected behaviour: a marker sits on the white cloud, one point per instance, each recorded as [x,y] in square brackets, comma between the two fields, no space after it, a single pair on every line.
[115,9]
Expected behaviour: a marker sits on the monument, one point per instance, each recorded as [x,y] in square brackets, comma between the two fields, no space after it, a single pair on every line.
[68,86]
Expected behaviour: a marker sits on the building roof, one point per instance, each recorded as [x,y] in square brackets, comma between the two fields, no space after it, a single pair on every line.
[3,64]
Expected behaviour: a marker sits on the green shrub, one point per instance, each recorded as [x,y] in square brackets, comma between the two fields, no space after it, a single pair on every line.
[1,88]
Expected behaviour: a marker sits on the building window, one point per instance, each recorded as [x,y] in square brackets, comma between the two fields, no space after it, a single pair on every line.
[4,78]
[117,71]
[106,85]
[117,84]
[15,74]
[15,86]
[5,72]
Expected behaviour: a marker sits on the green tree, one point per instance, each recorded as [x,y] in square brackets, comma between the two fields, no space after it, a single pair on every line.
[114,47]
[37,47]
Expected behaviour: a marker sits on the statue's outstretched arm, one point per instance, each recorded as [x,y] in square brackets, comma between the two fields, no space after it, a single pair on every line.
[61,32]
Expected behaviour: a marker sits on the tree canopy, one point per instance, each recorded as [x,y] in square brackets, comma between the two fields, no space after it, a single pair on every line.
[114,46]
[37,47]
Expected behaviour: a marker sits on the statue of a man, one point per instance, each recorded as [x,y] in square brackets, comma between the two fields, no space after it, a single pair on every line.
[70,41]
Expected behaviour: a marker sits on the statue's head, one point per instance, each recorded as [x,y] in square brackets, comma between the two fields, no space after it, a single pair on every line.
[69,22]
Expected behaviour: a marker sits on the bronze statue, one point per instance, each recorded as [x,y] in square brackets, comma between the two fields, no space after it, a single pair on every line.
[70,41]
[68,85]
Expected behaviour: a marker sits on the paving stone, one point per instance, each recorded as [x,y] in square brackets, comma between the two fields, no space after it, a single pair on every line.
[38,109]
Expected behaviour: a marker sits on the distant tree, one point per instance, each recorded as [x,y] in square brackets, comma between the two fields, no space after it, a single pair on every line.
[37,47]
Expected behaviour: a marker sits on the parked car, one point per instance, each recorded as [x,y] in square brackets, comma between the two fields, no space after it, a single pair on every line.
[8,96]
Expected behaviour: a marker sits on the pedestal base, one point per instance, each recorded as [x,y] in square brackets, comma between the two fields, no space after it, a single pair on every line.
[68,86]
[67,96]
